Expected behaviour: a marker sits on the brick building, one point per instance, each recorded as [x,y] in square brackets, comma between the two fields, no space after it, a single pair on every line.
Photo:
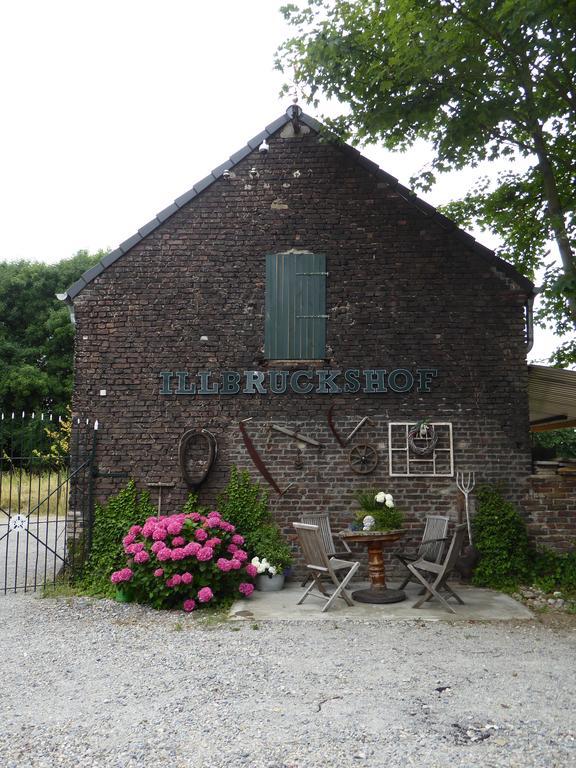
[303,288]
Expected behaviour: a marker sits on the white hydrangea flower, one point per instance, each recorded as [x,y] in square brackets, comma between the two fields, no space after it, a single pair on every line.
[380,497]
[390,502]
[272,570]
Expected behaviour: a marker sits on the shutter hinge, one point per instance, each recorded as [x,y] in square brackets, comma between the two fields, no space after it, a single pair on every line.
[309,274]
[312,317]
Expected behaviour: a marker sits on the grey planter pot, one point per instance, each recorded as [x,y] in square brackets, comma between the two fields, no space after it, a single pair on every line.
[265,583]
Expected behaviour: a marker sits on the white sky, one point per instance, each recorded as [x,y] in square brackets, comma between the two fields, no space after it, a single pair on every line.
[112,109]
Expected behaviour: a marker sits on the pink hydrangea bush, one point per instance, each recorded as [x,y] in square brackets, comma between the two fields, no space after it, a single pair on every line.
[185,561]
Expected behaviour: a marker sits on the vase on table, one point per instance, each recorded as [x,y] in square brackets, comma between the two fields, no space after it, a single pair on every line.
[267,583]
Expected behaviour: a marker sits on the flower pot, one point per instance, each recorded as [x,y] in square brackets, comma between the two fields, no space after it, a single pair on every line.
[266,583]
[121,596]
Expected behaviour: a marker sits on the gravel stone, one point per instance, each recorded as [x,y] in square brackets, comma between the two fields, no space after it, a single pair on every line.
[88,683]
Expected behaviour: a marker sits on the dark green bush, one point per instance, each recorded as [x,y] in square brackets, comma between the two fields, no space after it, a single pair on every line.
[244,503]
[501,538]
[111,521]
[552,571]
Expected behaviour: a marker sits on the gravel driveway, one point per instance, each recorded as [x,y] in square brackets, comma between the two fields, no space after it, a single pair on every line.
[98,683]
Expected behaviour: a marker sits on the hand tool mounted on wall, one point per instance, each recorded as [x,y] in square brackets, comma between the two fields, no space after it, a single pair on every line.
[257,459]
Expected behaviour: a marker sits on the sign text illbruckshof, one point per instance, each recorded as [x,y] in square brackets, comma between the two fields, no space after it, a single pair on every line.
[301,382]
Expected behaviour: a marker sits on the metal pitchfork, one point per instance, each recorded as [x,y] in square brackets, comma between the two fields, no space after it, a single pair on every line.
[465,482]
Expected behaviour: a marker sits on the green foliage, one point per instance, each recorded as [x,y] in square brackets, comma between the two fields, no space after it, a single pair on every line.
[563,441]
[385,518]
[111,521]
[36,335]
[479,80]
[552,571]
[244,503]
[501,538]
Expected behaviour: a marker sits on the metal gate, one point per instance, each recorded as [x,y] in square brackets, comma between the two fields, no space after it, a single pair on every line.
[45,498]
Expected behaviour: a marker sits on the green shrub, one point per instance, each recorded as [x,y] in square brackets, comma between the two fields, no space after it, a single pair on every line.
[501,538]
[552,571]
[111,521]
[244,503]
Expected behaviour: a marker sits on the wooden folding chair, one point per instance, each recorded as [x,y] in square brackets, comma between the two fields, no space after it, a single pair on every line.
[322,520]
[433,576]
[431,547]
[319,564]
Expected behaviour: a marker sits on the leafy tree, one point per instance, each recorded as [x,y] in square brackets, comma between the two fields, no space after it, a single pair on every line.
[480,80]
[562,441]
[36,335]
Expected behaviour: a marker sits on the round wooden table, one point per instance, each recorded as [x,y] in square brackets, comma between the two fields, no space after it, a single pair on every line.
[375,540]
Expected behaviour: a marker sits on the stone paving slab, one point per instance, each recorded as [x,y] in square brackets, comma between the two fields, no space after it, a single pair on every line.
[480,605]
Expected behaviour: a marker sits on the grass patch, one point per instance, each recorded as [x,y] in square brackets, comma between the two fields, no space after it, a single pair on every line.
[42,494]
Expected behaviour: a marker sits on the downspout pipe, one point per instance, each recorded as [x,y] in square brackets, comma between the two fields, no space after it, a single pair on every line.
[530,320]
[66,298]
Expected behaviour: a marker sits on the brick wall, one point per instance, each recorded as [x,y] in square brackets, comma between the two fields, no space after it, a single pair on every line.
[550,506]
[401,292]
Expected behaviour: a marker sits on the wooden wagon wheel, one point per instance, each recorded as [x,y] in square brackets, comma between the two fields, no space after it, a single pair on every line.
[363,458]
[197,453]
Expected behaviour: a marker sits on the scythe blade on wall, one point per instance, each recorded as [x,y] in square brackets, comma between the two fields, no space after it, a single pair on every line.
[258,463]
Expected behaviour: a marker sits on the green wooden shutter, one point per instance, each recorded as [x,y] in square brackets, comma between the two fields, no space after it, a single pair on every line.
[295,324]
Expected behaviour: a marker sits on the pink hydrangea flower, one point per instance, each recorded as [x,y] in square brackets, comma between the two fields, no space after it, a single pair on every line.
[231,548]
[235,564]
[159,572]
[192,549]
[205,595]
[204,554]
[176,579]
[213,542]
[186,578]
[174,527]
[123,575]
[251,570]
[159,533]
[194,516]
[135,530]
[189,605]
[141,557]
[237,539]
[129,539]
[178,541]
[178,553]
[157,546]
[170,582]
[200,535]
[138,547]
[164,554]
[131,549]
[241,555]
[149,527]
[246,589]
[223,564]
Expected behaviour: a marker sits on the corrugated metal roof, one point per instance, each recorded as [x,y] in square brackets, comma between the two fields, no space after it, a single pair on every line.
[552,396]
[407,194]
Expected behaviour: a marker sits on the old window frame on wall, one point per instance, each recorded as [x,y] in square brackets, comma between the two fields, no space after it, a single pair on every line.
[295,306]
[413,461]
